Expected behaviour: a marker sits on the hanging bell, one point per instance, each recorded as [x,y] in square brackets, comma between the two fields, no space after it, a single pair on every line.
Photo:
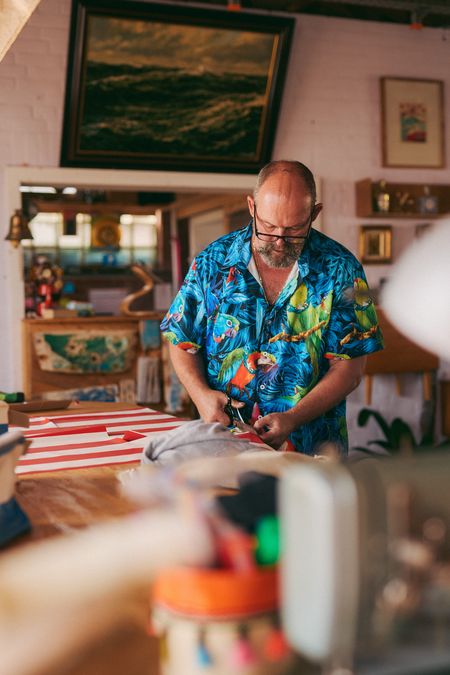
[18,228]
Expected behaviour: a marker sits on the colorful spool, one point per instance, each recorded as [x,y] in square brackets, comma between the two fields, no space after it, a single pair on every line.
[219,621]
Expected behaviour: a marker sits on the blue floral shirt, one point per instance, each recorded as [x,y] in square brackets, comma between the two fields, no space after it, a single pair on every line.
[270,356]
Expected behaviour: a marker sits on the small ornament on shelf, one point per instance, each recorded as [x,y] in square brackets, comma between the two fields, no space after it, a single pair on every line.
[428,203]
[381,197]
[404,202]
[47,280]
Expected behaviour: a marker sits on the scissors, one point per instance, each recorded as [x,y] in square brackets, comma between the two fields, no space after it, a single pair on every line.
[233,413]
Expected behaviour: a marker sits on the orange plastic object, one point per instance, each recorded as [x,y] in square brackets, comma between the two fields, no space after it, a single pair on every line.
[220,593]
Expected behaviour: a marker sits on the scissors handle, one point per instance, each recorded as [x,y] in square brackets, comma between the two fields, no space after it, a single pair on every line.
[233,413]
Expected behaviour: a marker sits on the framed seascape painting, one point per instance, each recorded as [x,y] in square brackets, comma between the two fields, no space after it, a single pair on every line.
[412,116]
[156,86]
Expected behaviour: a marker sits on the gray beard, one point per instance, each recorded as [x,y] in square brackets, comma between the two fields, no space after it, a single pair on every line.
[290,255]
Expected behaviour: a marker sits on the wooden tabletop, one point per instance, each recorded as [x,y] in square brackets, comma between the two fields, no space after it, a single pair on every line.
[58,502]
[62,502]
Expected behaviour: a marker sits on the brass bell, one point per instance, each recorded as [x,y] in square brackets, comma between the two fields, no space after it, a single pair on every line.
[18,228]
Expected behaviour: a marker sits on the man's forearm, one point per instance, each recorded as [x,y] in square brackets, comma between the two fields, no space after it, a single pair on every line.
[342,378]
[190,371]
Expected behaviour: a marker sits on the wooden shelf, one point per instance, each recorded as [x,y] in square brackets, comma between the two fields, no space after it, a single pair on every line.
[365,190]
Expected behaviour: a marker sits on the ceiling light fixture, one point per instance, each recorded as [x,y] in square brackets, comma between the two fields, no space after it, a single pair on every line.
[39,189]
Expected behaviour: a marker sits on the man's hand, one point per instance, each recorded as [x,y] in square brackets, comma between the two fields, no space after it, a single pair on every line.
[211,407]
[341,378]
[210,403]
[274,428]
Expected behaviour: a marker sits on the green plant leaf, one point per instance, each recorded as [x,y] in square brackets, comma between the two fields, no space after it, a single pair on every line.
[402,434]
[369,451]
[366,413]
[427,439]
[383,444]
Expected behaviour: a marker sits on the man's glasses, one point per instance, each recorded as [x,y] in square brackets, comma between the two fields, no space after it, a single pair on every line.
[291,239]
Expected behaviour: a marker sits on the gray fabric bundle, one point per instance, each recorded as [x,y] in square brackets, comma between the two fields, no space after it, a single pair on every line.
[192,440]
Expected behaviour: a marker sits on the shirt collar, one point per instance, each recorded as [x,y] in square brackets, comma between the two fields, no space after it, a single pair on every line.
[240,251]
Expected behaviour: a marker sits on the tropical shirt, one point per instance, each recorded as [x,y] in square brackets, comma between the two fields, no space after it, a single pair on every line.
[271,356]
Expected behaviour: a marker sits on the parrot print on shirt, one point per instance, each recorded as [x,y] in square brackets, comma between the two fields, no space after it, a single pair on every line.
[269,356]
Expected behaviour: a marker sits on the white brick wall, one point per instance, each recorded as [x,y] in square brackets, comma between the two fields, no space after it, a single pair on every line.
[32,81]
[330,116]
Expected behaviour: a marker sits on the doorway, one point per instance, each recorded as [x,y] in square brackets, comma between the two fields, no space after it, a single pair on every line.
[12,281]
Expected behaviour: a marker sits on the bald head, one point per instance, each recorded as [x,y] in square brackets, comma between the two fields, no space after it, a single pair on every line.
[293,172]
[283,205]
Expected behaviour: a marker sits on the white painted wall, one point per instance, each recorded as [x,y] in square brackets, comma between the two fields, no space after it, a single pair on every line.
[330,119]
[32,76]
[205,228]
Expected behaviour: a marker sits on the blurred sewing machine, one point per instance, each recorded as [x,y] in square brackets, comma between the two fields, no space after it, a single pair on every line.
[366,578]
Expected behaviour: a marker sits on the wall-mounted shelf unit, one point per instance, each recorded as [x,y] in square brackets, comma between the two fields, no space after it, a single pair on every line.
[406,200]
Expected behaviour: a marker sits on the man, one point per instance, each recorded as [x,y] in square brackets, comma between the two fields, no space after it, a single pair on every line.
[277,318]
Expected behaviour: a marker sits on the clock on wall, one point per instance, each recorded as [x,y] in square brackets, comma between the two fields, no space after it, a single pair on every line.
[105,233]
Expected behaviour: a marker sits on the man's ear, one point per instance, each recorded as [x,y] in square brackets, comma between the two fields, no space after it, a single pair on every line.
[317,209]
[251,204]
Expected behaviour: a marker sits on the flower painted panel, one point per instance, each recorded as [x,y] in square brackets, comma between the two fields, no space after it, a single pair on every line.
[86,351]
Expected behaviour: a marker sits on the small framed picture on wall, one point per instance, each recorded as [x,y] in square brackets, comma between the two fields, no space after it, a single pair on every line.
[375,244]
[412,122]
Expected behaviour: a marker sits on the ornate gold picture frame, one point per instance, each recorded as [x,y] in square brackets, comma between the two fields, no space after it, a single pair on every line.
[155,86]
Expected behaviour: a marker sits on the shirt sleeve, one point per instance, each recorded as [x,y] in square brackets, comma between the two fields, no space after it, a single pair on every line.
[353,329]
[185,322]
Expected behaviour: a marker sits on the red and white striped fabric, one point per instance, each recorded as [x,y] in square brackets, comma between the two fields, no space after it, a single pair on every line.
[144,421]
[80,455]
[37,423]
[94,439]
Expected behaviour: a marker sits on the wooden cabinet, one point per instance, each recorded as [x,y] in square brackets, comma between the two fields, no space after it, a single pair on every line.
[46,367]
[406,200]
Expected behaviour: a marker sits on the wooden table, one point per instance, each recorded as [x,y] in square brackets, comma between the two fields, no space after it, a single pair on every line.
[60,502]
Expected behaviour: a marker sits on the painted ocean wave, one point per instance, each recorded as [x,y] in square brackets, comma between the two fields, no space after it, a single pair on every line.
[166,110]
